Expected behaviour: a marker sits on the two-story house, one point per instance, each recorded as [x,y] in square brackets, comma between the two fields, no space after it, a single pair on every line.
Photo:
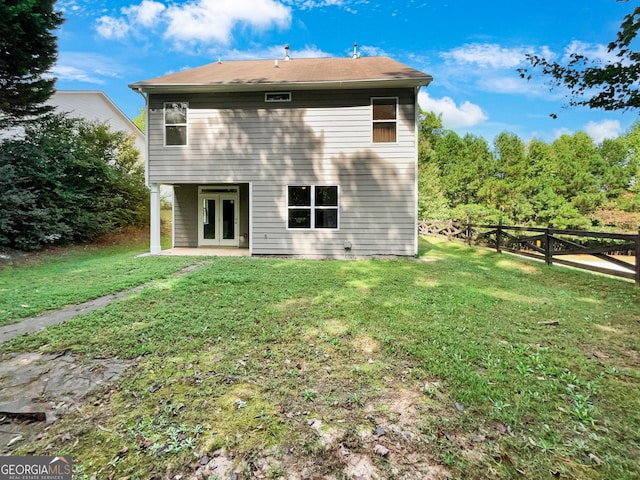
[310,157]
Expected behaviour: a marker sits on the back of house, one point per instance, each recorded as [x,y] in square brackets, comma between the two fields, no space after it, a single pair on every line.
[305,157]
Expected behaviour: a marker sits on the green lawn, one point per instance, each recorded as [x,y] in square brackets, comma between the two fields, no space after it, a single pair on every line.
[70,276]
[472,364]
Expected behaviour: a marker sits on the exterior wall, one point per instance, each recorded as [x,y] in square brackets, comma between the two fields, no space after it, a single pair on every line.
[185,216]
[319,138]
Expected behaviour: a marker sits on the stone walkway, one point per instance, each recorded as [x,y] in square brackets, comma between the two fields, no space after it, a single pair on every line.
[38,388]
[40,322]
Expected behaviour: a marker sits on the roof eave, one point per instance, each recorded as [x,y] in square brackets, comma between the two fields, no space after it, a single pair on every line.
[265,86]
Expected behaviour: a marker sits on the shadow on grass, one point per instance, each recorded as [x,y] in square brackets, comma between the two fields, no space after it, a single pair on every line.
[493,344]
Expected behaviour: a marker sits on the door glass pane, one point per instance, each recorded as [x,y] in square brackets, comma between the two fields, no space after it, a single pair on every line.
[228,220]
[209,215]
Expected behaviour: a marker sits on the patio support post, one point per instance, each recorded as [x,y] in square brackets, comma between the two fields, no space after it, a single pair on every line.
[155,218]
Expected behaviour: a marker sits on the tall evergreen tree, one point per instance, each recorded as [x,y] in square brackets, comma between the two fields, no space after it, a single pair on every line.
[28,49]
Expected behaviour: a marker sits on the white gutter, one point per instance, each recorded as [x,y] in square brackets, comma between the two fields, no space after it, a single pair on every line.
[261,86]
[146,136]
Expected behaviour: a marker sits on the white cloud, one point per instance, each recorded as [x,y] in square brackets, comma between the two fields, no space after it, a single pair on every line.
[453,116]
[514,85]
[205,21]
[310,4]
[213,20]
[71,73]
[313,4]
[145,14]
[275,51]
[86,68]
[503,84]
[486,55]
[596,52]
[371,51]
[558,132]
[604,129]
[112,28]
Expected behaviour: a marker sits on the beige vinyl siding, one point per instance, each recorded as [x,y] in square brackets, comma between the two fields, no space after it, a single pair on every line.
[319,138]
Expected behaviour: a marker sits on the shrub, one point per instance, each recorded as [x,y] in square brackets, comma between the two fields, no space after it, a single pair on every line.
[68,181]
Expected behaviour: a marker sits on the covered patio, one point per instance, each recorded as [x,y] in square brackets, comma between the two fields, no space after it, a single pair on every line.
[205,252]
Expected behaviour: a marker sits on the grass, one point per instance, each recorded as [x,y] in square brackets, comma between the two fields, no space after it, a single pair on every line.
[61,277]
[474,364]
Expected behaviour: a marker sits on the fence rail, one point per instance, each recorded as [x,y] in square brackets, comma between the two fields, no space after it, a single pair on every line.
[550,244]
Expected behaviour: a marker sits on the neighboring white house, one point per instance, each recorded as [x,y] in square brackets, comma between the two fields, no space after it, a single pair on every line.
[94,105]
[314,157]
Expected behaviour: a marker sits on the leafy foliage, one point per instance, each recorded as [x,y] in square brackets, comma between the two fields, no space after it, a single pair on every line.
[571,183]
[68,180]
[27,50]
[610,86]
[140,120]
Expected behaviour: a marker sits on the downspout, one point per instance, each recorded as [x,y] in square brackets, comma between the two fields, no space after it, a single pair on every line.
[146,136]
[416,171]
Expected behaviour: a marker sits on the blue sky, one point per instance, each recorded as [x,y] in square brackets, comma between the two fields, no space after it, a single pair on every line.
[472,49]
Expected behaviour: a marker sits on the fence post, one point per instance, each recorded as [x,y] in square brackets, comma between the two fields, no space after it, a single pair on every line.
[548,247]
[468,232]
[499,237]
[637,265]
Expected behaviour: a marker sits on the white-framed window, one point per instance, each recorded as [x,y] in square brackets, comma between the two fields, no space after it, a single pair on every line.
[277,97]
[385,119]
[175,123]
[313,207]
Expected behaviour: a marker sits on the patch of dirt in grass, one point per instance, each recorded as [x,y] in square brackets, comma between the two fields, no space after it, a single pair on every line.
[382,440]
[366,344]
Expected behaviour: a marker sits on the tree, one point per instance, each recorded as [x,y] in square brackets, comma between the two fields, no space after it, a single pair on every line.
[512,166]
[67,181]
[609,86]
[28,49]
[432,204]
[141,119]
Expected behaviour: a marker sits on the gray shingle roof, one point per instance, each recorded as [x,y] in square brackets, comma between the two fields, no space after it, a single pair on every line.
[295,73]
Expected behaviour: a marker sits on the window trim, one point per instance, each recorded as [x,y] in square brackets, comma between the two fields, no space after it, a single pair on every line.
[395,120]
[185,124]
[313,207]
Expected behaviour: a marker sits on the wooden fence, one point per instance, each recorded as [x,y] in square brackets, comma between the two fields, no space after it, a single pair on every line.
[551,245]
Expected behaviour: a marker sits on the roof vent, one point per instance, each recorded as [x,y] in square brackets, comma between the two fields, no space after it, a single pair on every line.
[355,51]
[286,53]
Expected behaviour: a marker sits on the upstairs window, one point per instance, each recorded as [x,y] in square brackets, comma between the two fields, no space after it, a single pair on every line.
[384,119]
[312,207]
[175,123]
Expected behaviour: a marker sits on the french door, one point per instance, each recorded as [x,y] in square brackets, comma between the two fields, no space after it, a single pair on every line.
[218,219]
